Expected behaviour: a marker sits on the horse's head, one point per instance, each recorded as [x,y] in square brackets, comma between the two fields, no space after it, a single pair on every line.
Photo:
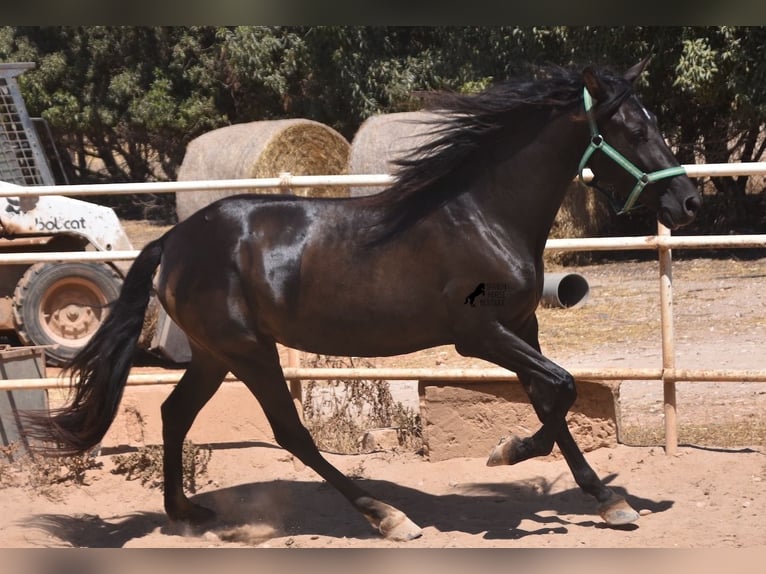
[628,152]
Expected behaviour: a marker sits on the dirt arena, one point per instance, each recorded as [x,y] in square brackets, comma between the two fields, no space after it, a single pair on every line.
[707,496]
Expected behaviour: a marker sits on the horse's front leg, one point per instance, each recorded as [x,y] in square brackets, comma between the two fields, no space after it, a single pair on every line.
[551,389]
[613,508]
[552,392]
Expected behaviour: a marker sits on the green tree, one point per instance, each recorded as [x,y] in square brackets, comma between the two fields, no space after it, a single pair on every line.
[721,72]
[125,95]
[337,75]
[122,101]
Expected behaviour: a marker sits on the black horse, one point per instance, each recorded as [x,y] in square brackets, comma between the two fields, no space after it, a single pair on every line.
[387,274]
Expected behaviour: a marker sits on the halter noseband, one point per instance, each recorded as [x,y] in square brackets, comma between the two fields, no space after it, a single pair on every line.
[642,178]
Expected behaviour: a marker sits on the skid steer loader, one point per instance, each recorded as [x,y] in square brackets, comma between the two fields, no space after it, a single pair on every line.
[57,305]
[54,305]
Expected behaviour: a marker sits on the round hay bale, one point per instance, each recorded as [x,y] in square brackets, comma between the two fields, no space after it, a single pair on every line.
[383,138]
[262,149]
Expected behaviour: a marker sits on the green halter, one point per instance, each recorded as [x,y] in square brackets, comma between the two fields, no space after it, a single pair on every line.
[642,178]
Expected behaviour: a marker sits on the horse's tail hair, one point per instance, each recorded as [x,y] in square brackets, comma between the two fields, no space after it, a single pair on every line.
[99,371]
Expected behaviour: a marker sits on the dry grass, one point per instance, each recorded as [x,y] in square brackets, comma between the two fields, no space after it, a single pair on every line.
[724,434]
[615,313]
[624,304]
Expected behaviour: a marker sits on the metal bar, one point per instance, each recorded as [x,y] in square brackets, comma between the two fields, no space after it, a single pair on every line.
[726,169]
[470,375]
[456,374]
[289,180]
[13,69]
[286,180]
[668,348]
[32,257]
[656,242]
[579,244]
[134,380]
[712,375]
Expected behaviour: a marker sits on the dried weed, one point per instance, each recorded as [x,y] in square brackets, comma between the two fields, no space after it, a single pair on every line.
[146,465]
[339,412]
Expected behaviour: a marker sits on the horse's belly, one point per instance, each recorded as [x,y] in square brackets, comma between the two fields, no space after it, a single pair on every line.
[366,333]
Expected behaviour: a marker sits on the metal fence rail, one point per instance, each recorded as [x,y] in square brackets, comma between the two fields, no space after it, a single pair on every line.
[663,242]
[470,375]
[290,180]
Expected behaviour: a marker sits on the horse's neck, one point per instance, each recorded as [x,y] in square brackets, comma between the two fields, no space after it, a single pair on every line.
[524,192]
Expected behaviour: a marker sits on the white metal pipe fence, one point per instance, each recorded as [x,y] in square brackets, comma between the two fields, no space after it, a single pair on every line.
[663,243]
[289,180]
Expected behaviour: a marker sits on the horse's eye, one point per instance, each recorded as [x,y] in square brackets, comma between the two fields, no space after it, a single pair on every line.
[639,134]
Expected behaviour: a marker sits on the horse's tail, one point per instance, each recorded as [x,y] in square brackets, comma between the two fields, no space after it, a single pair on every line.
[100,369]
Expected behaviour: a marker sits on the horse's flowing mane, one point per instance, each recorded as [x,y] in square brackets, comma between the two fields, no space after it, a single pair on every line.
[467,123]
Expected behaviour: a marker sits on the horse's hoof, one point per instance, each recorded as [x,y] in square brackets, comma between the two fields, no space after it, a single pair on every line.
[505,452]
[399,528]
[194,515]
[391,522]
[618,513]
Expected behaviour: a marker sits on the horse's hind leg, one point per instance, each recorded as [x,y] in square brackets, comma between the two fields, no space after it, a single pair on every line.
[262,374]
[550,388]
[198,384]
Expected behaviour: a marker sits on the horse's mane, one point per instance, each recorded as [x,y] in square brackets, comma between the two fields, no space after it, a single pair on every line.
[465,124]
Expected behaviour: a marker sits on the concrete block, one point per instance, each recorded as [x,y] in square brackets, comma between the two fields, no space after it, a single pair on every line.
[468,419]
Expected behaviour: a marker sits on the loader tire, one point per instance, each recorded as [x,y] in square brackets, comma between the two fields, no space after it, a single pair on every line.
[61,305]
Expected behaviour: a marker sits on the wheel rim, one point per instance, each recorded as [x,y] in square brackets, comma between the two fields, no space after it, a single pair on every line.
[71,311]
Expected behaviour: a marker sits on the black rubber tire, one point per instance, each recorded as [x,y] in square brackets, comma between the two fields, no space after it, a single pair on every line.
[61,305]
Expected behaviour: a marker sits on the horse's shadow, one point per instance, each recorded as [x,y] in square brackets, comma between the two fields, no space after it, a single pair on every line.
[255,512]
[88,531]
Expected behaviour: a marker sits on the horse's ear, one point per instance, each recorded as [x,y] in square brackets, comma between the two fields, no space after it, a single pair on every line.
[594,85]
[637,70]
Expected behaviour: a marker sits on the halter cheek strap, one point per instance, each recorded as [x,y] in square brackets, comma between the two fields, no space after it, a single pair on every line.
[642,178]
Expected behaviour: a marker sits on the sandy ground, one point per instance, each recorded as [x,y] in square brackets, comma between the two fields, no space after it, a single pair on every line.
[699,499]
[704,497]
